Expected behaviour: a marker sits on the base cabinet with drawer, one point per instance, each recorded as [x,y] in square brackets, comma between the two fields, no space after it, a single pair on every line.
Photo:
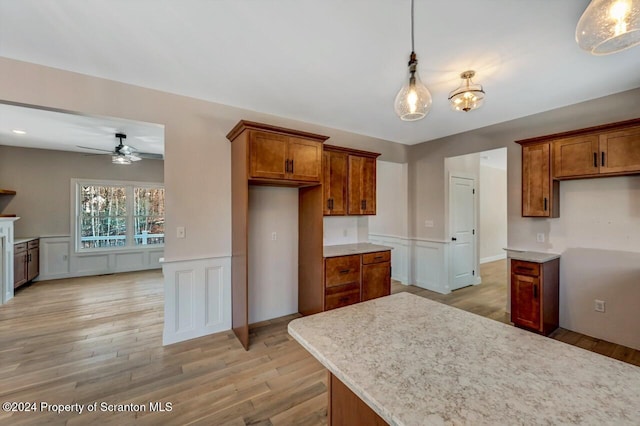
[535,295]
[356,278]
[26,262]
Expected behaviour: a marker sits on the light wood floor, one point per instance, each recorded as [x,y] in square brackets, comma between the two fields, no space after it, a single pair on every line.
[99,339]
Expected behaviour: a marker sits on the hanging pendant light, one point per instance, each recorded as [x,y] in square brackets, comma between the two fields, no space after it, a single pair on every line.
[468,96]
[609,26]
[413,100]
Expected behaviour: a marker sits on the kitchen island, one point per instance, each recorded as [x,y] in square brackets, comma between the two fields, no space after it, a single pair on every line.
[413,361]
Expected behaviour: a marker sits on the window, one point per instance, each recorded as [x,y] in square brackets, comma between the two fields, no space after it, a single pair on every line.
[119,215]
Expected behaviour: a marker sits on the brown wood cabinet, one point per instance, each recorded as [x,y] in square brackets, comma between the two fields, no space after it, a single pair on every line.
[349,181]
[535,295]
[597,154]
[346,408]
[278,156]
[362,185]
[540,194]
[356,278]
[26,262]
[267,155]
[335,182]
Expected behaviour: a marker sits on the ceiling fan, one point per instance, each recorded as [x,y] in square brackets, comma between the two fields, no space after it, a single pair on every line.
[125,154]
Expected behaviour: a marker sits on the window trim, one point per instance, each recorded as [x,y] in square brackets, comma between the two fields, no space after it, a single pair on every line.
[76,183]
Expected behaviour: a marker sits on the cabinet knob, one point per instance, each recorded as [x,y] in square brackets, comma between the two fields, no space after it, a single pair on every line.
[454,239]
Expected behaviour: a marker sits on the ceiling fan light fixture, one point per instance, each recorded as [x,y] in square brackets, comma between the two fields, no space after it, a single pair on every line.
[468,96]
[120,159]
[413,101]
[609,26]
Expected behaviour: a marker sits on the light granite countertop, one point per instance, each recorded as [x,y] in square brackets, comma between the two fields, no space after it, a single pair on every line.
[347,249]
[531,256]
[418,362]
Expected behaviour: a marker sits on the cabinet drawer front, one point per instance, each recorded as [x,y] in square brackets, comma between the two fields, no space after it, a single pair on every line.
[18,248]
[343,295]
[33,244]
[377,257]
[525,268]
[342,270]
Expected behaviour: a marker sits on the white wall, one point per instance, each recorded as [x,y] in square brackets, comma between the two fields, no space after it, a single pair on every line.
[492,233]
[345,230]
[273,264]
[391,203]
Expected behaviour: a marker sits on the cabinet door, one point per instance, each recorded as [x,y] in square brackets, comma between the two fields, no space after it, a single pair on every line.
[335,182]
[19,269]
[574,157]
[525,301]
[376,280]
[536,189]
[369,186]
[620,151]
[33,263]
[268,155]
[305,160]
[355,184]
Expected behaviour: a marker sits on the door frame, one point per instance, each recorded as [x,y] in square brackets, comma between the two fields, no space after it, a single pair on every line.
[449,220]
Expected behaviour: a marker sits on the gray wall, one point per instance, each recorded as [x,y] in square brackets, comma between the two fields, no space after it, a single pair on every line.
[42,179]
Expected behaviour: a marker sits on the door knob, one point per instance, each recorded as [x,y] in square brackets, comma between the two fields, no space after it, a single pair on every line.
[454,239]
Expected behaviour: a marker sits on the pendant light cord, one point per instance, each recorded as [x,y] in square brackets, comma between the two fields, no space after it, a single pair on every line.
[412,41]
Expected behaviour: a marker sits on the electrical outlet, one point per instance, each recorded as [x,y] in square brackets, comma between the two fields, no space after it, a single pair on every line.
[540,237]
[274,236]
[598,305]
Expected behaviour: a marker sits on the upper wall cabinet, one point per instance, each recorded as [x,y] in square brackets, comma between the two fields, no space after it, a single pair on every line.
[362,185]
[596,154]
[540,194]
[281,155]
[607,150]
[335,165]
[349,181]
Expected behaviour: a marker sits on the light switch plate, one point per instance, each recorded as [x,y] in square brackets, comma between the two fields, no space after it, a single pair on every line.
[180,232]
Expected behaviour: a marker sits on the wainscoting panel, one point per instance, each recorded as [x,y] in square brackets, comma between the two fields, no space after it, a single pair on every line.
[197,298]
[431,265]
[58,260]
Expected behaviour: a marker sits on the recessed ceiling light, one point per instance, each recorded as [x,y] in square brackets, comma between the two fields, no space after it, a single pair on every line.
[19,132]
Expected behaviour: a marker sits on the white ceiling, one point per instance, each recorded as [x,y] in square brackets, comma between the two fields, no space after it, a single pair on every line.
[334,63]
[64,132]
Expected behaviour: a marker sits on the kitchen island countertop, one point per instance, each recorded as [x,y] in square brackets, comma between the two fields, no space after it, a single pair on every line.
[418,362]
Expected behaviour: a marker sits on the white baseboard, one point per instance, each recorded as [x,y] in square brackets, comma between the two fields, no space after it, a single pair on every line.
[493,258]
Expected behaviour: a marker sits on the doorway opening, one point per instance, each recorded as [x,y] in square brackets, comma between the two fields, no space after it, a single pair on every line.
[476,194]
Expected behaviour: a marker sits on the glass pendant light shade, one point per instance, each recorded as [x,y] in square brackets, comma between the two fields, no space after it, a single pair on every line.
[468,96]
[413,101]
[609,26]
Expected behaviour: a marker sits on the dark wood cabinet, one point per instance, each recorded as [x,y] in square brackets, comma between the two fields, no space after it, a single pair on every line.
[361,185]
[535,295]
[347,409]
[26,262]
[577,156]
[275,156]
[356,278]
[335,182]
[540,194]
[620,151]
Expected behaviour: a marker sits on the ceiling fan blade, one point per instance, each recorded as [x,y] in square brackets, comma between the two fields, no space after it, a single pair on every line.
[149,156]
[133,157]
[95,149]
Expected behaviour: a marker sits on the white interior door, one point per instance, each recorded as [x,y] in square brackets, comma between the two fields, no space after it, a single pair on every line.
[462,227]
